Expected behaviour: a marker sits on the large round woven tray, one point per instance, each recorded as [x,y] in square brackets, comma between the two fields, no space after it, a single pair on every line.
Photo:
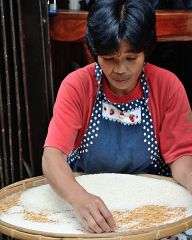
[146,234]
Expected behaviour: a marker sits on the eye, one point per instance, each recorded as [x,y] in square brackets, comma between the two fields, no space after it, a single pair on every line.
[131,58]
[108,59]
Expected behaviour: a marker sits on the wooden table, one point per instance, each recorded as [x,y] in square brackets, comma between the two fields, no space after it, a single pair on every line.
[70,26]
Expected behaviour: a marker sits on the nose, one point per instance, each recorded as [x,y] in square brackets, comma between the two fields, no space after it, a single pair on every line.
[119,68]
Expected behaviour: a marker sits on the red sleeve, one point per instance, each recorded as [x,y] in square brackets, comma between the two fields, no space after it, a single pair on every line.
[72,109]
[176,129]
[67,117]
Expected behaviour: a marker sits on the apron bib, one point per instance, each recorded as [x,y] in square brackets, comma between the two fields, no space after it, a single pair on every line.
[120,138]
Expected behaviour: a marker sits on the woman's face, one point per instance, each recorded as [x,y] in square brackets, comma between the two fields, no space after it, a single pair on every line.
[122,69]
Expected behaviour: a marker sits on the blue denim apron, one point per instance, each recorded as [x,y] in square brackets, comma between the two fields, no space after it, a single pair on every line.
[120,138]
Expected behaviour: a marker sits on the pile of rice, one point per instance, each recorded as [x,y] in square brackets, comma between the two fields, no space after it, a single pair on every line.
[132,200]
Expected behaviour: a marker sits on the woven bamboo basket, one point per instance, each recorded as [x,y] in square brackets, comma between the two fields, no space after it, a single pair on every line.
[28,234]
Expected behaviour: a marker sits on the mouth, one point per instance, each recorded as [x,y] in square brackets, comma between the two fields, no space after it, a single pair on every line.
[119,80]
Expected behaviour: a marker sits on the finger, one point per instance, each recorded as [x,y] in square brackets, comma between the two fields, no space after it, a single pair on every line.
[189,187]
[108,216]
[92,224]
[100,220]
[85,225]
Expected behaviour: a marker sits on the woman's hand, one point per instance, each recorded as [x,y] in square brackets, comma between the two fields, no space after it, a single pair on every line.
[182,171]
[189,182]
[93,213]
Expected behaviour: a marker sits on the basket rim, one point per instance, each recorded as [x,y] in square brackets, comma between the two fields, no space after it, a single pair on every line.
[151,233]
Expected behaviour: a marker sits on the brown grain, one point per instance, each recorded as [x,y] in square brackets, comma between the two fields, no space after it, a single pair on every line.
[9,202]
[146,217]
[37,217]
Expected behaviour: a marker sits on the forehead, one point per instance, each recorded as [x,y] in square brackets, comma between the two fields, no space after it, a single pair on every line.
[124,48]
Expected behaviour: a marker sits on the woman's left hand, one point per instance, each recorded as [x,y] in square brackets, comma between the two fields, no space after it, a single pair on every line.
[189,182]
[182,171]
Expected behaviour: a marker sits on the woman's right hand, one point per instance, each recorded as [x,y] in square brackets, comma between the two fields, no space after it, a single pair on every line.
[90,209]
[93,213]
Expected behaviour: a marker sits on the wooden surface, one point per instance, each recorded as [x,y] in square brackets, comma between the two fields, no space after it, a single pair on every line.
[68,26]
[174,26]
[171,26]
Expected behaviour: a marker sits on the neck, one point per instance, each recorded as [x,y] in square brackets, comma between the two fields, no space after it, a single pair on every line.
[122,92]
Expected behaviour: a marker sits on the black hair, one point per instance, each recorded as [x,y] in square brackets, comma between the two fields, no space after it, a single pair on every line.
[110,22]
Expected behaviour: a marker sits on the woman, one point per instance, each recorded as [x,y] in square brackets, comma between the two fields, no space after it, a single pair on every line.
[120,114]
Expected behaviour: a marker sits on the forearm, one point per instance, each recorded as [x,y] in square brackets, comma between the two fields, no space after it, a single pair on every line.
[92,211]
[59,174]
[182,171]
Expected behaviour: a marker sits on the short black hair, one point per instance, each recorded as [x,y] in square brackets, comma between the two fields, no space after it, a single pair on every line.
[110,22]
